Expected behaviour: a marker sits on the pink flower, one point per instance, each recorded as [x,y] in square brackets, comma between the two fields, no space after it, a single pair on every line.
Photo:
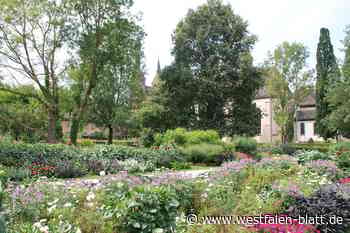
[344,180]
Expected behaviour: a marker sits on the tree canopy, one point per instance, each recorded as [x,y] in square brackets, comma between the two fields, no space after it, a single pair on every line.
[213,82]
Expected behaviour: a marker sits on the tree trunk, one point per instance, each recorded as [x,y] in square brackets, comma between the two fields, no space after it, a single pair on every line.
[110,135]
[74,129]
[52,125]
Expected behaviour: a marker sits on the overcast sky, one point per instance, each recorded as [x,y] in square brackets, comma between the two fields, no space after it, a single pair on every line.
[273,21]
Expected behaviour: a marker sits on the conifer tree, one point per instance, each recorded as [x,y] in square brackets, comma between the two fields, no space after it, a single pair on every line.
[327,75]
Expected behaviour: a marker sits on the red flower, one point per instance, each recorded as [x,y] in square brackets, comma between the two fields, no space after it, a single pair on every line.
[344,180]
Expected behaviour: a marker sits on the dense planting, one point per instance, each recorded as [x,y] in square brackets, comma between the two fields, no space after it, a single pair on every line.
[307,183]
[27,160]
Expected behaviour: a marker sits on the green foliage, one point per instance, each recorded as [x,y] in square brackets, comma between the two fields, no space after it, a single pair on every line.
[199,90]
[307,156]
[29,52]
[183,137]
[86,143]
[204,153]
[180,165]
[340,147]
[70,161]
[22,117]
[97,135]
[343,160]
[246,145]
[17,174]
[143,209]
[120,81]
[147,137]
[288,83]
[328,74]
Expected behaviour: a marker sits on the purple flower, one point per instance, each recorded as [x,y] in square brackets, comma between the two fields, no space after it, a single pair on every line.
[323,166]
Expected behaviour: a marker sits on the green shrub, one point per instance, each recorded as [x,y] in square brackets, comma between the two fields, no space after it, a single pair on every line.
[343,160]
[143,209]
[147,137]
[18,174]
[204,153]
[322,147]
[180,165]
[201,136]
[287,149]
[63,157]
[183,137]
[246,145]
[313,155]
[340,147]
[95,136]
[86,143]
[124,142]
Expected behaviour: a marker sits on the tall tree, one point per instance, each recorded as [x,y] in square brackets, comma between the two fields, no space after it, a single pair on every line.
[288,83]
[119,81]
[88,31]
[338,97]
[214,80]
[328,74]
[32,35]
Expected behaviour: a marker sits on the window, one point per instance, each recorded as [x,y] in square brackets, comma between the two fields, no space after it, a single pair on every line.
[302,129]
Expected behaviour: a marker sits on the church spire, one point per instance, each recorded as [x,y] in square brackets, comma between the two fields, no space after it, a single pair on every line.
[158,67]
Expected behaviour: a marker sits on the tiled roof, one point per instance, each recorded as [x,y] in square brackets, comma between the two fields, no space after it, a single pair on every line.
[262,93]
[306,115]
[310,100]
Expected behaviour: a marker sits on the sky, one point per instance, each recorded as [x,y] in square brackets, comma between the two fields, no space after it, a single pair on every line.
[273,21]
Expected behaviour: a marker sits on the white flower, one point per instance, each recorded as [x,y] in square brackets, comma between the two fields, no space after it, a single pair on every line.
[54,202]
[78,230]
[67,205]
[51,208]
[90,196]
[102,173]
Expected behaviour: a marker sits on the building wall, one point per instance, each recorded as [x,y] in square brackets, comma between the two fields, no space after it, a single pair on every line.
[269,128]
[88,129]
[309,132]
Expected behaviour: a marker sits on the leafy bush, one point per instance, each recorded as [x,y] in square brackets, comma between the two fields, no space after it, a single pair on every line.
[95,135]
[86,143]
[329,201]
[95,166]
[43,157]
[147,137]
[308,156]
[204,153]
[180,165]
[340,147]
[322,147]
[132,165]
[246,145]
[18,174]
[143,209]
[287,149]
[343,160]
[324,167]
[183,137]
[201,136]
[69,169]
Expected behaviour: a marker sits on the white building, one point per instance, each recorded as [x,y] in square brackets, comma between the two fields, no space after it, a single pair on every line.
[304,120]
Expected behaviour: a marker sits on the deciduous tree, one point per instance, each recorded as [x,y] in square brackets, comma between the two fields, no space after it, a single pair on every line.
[32,35]
[288,83]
